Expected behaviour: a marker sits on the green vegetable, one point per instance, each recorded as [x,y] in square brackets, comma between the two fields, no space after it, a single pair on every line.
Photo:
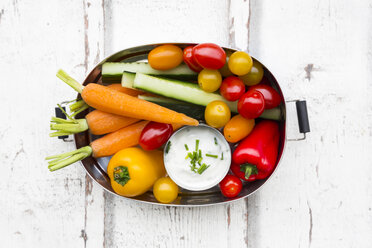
[127,79]
[168,147]
[187,148]
[191,110]
[197,111]
[112,71]
[202,168]
[180,90]
[211,155]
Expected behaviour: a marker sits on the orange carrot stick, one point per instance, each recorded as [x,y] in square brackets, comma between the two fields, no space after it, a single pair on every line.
[113,142]
[104,146]
[112,101]
[97,122]
[101,122]
[128,91]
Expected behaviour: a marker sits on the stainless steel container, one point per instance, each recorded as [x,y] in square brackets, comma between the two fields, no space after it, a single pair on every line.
[96,168]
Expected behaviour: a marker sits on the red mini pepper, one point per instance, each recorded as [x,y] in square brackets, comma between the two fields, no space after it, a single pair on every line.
[271,96]
[255,156]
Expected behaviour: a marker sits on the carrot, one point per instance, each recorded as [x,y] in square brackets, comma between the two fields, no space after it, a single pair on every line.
[128,91]
[113,142]
[176,126]
[97,122]
[104,146]
[112,101]
[101,122]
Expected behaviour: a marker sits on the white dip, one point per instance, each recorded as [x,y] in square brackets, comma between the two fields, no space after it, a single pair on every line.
[179,168]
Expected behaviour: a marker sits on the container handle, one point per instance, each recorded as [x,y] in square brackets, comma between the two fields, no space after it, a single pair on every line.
[60,114]
[302,117]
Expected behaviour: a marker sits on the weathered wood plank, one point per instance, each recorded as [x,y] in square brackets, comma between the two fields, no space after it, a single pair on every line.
[93,16]
[38,208]
[318,50]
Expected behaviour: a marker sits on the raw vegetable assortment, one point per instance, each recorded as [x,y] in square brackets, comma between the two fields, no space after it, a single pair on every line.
[145,102]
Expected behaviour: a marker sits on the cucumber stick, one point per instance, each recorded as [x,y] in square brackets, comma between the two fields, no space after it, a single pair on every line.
[127,80]
[112,71]
[191,110]
[197,111]
[184,91]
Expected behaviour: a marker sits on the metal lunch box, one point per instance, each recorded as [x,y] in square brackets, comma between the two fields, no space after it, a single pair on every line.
[96,167]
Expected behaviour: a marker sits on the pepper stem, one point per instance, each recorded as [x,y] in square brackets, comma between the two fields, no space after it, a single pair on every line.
[248,169]
[61,74]
[121,175]
[62,160]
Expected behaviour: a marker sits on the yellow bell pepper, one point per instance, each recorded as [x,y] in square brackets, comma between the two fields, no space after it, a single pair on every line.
[134,171]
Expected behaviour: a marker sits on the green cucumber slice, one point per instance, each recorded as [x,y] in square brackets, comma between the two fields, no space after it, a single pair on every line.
[112,71]
[184,91]
[197,111]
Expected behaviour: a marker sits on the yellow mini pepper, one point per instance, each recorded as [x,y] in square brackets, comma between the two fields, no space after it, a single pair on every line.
[134,171]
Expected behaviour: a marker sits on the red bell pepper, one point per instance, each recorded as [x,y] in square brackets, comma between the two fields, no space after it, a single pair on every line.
[271,96]
[255,156]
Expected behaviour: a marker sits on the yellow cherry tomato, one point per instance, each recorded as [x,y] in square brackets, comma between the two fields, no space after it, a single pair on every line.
[133,171]
[240,63]
[165,57]
[238,128]
[165,190]
[217,114]
[254,76]
[209,80]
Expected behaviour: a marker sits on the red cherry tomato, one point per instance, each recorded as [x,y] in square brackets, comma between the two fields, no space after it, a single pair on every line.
[232,88]
[251,105]
[271,96]
[189,59]
[209,56]
[154,135]
[231,186]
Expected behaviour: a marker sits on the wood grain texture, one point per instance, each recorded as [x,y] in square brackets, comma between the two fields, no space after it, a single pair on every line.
[318,50]
[38,208]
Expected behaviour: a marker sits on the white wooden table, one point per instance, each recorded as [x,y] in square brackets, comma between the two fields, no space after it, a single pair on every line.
[318,50]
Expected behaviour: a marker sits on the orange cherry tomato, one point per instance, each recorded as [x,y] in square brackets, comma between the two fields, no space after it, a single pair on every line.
[238,128]
[165,57]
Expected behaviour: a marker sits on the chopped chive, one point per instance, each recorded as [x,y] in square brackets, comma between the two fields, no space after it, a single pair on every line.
[222,156]
[215,141]
[199,160]
[194,154]
[187,148]
[202,168]
[196,145]
[200,154]
[211,155]
[168,147]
